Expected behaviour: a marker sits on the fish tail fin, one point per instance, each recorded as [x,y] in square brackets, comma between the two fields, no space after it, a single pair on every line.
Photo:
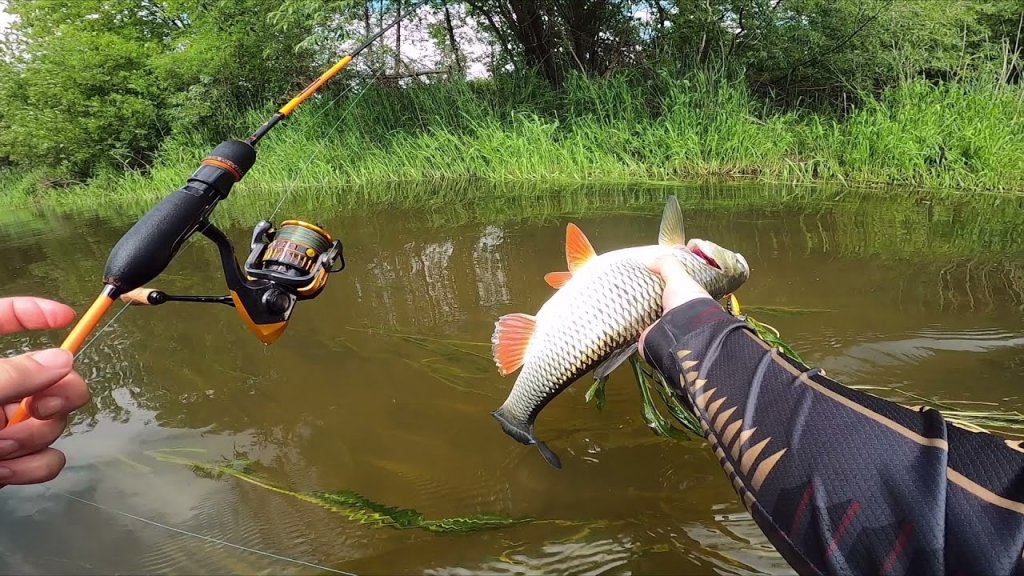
[522,432]
[549,455]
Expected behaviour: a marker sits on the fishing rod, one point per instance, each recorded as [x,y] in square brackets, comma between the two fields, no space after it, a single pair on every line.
[285,265]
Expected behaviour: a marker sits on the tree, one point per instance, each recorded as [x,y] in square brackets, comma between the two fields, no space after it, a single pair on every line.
[80,102]
[99,84]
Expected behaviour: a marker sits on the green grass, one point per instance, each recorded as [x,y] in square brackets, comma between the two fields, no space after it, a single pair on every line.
[362,147]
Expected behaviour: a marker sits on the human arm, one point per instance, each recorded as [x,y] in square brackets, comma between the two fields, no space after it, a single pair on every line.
[840,481]
[47,378]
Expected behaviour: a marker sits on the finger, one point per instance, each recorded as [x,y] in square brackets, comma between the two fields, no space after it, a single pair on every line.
[30,313]
[31,373]
[30,437]
[64,397]
[640,342]
[32,469]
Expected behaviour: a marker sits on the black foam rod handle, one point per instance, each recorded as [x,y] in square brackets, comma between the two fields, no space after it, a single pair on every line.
[148,247]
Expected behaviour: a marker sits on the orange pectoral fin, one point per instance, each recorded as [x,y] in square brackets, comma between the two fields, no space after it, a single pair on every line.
[557,279]
[577,248]
[512,334]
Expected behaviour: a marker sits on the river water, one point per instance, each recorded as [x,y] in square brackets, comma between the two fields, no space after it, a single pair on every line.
[382,387]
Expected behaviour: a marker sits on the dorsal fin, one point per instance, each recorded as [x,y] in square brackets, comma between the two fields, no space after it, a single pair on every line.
[557,279]
[512,334]
[671,232]
[577,248]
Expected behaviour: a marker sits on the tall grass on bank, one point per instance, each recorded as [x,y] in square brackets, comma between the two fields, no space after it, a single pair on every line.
[967,135]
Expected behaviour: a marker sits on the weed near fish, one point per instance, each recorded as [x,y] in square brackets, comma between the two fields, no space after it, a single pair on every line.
[1006,423]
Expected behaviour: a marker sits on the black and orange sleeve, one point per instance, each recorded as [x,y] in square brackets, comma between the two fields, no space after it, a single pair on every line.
[840,481]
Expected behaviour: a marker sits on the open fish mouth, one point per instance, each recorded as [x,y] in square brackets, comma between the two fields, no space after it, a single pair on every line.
[697,247]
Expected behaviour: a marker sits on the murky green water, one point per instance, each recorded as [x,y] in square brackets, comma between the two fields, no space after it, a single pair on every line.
[921,297]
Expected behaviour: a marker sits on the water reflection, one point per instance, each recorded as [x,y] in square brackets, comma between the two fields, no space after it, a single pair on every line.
[489,264]
[383,386]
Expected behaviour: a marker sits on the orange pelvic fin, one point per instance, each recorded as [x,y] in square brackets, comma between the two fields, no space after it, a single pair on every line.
[557,279]
[512,334]
[577,248]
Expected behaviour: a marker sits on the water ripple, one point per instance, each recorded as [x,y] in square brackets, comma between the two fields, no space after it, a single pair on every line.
[922,345]
[588,558]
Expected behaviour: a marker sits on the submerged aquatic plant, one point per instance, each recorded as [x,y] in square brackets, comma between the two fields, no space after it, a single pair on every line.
[352,505]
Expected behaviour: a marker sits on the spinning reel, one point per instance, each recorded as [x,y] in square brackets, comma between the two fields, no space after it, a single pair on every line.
[285,265]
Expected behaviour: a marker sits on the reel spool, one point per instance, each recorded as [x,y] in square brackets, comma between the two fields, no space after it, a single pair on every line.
[298,256]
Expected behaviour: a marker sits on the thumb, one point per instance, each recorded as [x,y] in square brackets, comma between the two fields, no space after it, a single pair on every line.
[27,374]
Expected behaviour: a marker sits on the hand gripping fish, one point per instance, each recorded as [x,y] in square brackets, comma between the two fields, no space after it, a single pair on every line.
[602,305]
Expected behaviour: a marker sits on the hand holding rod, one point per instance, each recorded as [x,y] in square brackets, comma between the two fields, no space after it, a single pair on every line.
[149,246]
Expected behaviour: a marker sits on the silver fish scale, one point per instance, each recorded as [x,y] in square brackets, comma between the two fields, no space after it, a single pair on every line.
[607,313]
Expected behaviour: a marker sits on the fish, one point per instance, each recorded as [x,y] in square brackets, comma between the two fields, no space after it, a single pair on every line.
[594,319]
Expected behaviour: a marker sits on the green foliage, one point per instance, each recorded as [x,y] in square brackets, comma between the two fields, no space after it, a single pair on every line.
[956,136]
[352,505]
[829,50]
[403,518]
[96,86]
[912,92]
[85,102]
[648,379]
[227,58]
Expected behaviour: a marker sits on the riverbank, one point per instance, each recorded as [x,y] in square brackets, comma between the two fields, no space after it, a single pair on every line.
[959,136]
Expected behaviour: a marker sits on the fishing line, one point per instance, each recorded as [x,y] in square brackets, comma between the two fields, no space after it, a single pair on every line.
[101,331]
[344,115]
[309,160]
[207,538]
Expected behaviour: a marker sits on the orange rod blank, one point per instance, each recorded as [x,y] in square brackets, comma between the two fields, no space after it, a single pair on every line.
[308,91]
[75,339]
[312,88]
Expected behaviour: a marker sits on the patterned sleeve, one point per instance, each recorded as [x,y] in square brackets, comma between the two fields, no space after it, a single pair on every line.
[841,481]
